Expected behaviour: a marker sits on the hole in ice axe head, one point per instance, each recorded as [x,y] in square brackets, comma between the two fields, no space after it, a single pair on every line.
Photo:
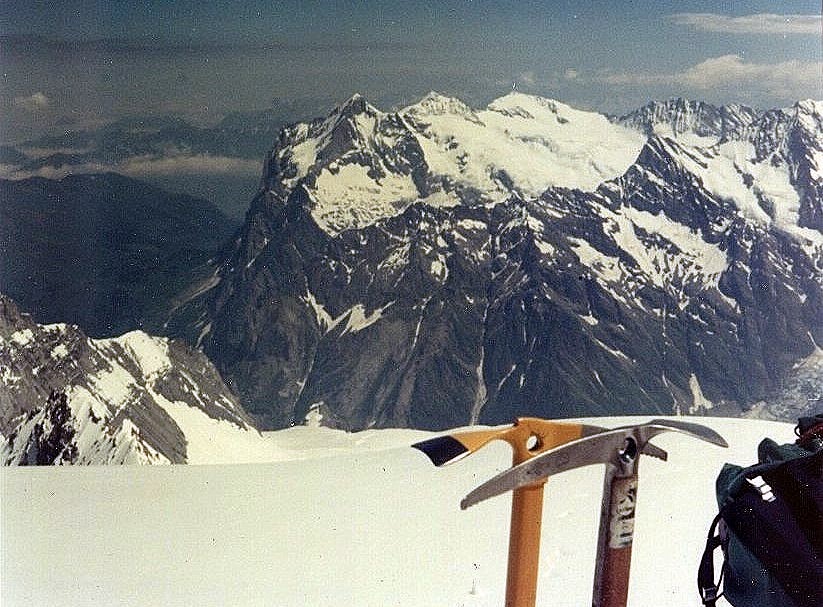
[629,451]
[534,443]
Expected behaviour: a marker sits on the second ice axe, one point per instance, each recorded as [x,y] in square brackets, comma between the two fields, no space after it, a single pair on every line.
[620,450]
[528,437]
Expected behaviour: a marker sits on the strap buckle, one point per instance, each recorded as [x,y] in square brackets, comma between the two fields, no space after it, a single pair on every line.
[709,594]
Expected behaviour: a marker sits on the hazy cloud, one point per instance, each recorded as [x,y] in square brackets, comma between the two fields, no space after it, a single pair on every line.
[35,102]
[145,166]
[13,172]
[731,69]
[763,23]
[791,79]
[185,164]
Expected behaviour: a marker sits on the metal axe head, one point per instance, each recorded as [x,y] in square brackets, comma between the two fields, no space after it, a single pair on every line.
[528,437]
[618,447]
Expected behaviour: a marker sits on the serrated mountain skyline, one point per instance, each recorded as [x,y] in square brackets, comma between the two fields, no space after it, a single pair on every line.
[441,265]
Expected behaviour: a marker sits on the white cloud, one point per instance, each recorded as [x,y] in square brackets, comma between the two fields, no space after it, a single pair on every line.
[184,164]
[788,79]
[731,69]
[35,102]
[145,166]
[762,23]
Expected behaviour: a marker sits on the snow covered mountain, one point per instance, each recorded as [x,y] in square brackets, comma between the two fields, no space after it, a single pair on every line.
[362,165]
[69,399]
[440,265]
[376,524]
[683,118]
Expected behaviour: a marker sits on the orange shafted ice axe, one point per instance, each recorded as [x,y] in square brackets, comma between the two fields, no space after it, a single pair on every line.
[528,437]
[620,450]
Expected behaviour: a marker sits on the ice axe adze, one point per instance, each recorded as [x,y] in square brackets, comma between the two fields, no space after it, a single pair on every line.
[528,437]
[620,450]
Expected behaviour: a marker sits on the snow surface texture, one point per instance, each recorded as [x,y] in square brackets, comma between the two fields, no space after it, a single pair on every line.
[349,519]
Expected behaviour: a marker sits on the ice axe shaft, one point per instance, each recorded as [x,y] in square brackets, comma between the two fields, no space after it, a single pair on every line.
[620,450]
[614,542]
[524,546]
[528,437]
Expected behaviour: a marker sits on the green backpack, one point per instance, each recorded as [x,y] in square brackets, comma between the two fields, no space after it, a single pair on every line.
[770,527]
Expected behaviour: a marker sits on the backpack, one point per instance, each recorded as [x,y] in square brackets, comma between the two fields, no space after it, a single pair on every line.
[770,526]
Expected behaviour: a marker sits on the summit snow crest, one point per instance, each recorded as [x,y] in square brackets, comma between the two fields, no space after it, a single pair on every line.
[439,264]
[441,152]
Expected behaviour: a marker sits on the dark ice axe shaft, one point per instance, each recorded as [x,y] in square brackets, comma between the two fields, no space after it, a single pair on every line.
[620,450]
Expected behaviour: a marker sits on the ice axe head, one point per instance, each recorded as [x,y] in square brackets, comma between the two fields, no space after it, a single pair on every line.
[528,437]
[620,448]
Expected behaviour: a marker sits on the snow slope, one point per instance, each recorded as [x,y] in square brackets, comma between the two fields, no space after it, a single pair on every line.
[536,142]
[348,519]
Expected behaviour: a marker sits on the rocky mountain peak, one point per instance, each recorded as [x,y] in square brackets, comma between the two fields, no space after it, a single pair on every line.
[438,104]
[678,117]
[809,116]
[67,398]
[353,106]
[534,259]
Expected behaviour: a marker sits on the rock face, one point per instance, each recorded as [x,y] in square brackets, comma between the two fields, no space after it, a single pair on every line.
[104,251]
[683,117]
[439,265]
[66,398]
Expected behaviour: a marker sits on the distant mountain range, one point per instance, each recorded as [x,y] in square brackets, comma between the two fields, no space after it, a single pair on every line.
[220,162]
[442,265]
[244,135]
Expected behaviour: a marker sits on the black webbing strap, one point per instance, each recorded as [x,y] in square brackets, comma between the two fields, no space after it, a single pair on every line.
[709,589]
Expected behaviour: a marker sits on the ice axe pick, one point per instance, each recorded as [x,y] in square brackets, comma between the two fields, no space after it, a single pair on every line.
[620,450]
[528,437]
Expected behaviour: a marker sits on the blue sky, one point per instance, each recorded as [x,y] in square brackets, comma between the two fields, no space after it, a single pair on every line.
[204,59]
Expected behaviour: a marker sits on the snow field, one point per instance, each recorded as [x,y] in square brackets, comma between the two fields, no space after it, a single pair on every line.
[349,519]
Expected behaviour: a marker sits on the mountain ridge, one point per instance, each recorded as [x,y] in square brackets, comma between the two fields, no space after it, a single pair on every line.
[659,290]
[131,399]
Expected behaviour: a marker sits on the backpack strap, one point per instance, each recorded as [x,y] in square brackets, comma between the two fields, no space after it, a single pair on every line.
[809,431]
[709,589]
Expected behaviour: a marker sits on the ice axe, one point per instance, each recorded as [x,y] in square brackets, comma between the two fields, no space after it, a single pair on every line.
[620,450]
[528,437]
